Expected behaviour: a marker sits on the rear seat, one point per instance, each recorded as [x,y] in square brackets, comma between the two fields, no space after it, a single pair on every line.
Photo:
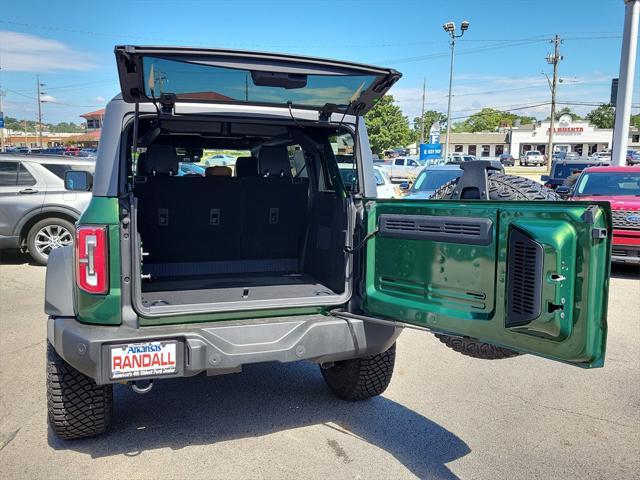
[221,218]
[275,207]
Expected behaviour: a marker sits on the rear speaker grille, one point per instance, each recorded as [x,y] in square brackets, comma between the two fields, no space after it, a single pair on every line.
[524,279]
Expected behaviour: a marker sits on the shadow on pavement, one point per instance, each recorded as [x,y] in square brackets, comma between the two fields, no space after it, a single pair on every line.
[630,272]
[262,400]
[15,257]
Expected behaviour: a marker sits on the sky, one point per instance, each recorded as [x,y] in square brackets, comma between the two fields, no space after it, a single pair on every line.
[500,60]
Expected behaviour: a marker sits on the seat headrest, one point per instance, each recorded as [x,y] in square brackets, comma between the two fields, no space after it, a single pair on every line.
[246,167]
[218,171]
[274,162]
[160,160]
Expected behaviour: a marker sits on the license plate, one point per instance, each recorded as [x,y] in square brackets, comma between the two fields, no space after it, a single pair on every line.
[143,359]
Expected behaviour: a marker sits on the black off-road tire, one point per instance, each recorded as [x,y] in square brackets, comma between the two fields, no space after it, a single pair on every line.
[501,187]
[361,378]
[77,406]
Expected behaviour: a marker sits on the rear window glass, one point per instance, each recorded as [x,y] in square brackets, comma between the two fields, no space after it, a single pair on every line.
[192,81]
[8,174]
[565,170]
[430,180]
[58,169]
[24,177]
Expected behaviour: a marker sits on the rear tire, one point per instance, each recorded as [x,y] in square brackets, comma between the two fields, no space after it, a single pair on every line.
[48,234]
[361,378]
[77,406]
[501,187]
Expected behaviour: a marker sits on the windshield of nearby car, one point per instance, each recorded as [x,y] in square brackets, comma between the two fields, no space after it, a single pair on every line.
[193,81]
[58,169]
[378,175]
[609,184]
[429,180]
[563,170]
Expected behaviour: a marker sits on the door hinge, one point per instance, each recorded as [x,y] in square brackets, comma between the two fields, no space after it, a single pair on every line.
[599,233]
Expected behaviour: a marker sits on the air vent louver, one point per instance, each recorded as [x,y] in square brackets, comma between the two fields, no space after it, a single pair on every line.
[524,279]
[468,230]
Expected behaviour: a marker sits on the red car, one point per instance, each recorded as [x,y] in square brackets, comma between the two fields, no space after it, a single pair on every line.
[620,186]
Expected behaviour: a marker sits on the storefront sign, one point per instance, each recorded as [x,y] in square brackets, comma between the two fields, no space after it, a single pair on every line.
[430,150]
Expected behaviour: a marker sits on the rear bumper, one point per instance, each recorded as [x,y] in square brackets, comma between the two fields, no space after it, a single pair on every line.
[222,347]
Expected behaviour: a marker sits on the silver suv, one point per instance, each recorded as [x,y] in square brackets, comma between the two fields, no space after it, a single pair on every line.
[37,214]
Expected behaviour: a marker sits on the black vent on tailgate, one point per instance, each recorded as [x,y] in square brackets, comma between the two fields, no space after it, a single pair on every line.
[524,279]
[468,230]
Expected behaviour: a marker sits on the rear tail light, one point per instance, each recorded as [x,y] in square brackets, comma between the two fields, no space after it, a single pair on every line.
[92,259]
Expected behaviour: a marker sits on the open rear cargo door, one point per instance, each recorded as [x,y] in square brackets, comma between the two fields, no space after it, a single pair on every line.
[529,276]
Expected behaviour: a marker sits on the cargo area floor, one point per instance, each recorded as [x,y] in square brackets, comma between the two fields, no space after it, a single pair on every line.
[231,288]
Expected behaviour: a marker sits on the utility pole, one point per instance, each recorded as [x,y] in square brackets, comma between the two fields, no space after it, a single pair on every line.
[39,112]
[424,87]
[24,126]
[553,60]
[625,84]
[2,147]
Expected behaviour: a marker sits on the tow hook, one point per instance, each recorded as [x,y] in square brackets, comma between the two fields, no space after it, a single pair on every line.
[136,387]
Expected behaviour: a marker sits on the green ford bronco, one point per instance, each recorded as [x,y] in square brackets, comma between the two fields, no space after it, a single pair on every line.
[274,259]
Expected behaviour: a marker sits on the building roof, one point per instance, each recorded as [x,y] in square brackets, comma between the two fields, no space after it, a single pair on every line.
[477,137]
[96,114]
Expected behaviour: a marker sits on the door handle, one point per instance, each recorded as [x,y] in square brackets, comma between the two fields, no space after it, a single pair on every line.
[28,191]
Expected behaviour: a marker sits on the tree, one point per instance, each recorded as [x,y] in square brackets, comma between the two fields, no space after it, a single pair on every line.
[602,117]
[487,120]
[430,117]
[386,126]
[566,111]
[635,120]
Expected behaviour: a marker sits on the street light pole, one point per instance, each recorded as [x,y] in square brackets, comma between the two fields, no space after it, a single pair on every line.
[39,111]
[450,28]
[625,84]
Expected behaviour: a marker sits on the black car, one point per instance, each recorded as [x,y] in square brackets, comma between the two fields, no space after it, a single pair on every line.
[507,160]
[563,172]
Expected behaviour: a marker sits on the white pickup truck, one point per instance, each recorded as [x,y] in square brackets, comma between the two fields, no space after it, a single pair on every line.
[532,157]
[402,168]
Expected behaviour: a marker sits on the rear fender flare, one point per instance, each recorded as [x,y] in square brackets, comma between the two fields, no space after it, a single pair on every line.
[59,283]
[44,212]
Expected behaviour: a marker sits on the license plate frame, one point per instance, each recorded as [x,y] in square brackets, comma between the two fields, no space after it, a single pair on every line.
[153,358]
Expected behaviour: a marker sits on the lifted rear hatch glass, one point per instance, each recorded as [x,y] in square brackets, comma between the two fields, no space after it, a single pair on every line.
[176,74]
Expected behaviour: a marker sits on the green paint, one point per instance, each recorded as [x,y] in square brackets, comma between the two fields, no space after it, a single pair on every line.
[103,309]
[241,315]
[461,289]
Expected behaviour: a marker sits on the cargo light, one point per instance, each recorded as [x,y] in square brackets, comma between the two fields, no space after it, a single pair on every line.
[92,259]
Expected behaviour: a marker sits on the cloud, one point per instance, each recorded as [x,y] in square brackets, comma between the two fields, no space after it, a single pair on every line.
[21,52]
[48,98]
[100,99]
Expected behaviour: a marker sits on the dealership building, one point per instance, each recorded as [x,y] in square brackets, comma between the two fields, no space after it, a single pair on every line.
[569,136]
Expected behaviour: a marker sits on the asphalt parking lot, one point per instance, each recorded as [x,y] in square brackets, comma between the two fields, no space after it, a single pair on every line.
[444,415]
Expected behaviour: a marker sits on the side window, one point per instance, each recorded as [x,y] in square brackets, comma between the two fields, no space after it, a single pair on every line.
[297,161]
[25,179]
[399,162]
[342,147]
[413,163]
[8,174]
